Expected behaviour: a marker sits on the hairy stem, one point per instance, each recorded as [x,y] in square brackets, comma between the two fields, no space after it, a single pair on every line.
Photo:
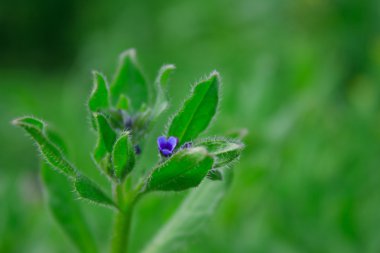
[122,223]
[126,200]
[121,231]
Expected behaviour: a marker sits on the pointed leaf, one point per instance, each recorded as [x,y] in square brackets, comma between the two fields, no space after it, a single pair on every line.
[197,111]
[99,98]
[123,156]
[129,81]
[106,137]
[123,103]
[161,83]
[190,218]
[50,152]
[90,191]
[225,151]
[185,169]
[39,124]
[51,134]
[66,210]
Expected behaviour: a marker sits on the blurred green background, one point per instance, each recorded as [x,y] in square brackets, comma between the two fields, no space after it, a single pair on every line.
[303,76]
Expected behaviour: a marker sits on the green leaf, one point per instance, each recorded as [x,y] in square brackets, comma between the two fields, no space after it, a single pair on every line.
[161,84]
[39,124]
[183,170]
[129,81]
[66,210]
[90,191]
[123,156]
[99,98]
[123,103]
[189,219]
[197,111]
[106,137]
[50,152]
[54,137]
[225,151]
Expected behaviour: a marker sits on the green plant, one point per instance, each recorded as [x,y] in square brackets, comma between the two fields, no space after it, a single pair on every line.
[122,114]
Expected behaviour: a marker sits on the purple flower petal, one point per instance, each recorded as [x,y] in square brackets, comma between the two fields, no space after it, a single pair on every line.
[161,141]
[166,152]
[173,142]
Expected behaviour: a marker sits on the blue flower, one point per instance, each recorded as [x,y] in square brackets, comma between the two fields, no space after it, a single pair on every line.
[167,146]
[186,145]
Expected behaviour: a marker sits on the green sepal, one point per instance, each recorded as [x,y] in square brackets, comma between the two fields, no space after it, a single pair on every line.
[92,192]
[197,111]
[49,151]
[130,81]
[123,156]
[215,175]
[185,169]
[99,98]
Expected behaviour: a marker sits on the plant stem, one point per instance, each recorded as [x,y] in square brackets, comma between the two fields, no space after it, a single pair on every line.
[126,200]
[121,230]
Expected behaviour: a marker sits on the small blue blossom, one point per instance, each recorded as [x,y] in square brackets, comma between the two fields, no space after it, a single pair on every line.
[167,146]
[187,145]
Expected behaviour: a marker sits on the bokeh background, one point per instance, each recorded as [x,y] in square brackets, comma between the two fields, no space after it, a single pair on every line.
[302,76]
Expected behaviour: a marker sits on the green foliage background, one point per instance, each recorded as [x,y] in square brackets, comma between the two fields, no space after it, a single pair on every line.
[302,76]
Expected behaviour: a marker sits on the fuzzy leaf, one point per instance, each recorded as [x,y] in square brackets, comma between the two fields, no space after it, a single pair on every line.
[197,111]
[56,139]
[51,153]
[225,151]
[39,124]
[189,219]
[66,210]
[90,191]
[99,98]
[185,169]
[106,137]
[129,81]
[161,84]
[123,156]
